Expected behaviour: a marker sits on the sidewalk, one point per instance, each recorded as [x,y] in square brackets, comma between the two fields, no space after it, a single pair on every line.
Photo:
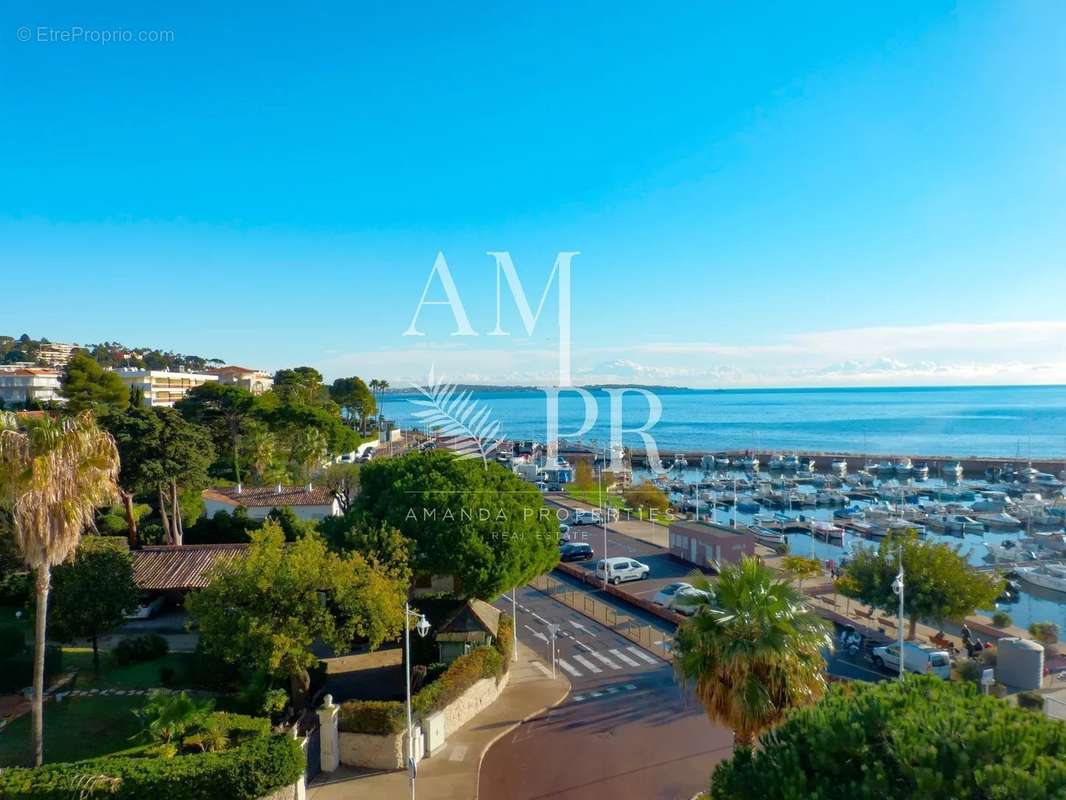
[452,772]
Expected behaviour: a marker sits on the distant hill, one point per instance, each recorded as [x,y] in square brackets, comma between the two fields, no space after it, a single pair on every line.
[486,387]
[108,354]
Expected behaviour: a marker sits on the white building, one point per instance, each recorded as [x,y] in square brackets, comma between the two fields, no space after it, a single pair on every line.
[255,381]
[307,502]
[160,387]
[55,354]
[21,385]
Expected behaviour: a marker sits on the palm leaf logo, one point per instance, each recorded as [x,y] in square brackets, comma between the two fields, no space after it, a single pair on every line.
[459,417]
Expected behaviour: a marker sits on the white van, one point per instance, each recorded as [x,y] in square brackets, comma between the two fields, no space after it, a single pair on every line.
[584,517]
[622,569]
[916,658]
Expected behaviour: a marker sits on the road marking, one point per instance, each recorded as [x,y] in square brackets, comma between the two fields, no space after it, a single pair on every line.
[542,668]
[579,626]
[539,618]
[536,633]
[612,689]
[623,658]
[629,687]
[566,665]
[641,654]
[577,698]
[458,753]
[587,664]
[605,660]
[597,694]
[583,646]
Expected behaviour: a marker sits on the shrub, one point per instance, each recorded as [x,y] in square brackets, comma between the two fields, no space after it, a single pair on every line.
[1001,619]
[168,716]
[1047,633]
[135,649]
[16,589]
[16,673]
[387,717]
[1032,700]
[920,737]
[12,641]
[505,639]
[969,670]
[256,767]
[167,675]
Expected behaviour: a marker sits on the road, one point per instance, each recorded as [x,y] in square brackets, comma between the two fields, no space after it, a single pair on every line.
[625,730]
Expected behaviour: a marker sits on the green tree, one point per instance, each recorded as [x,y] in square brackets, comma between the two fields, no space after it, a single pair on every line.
[225,411]
[754,652]
[647,497]
[92,594]
[89,387]
[478,523]
[921,737]
[53,477]
[342,480]
[800,568]
[353,395]
[289,423]
[377,542]
[302,386]
[266,610]
[939,583]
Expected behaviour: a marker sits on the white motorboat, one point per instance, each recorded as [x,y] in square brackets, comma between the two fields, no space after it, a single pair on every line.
[767,536]
[707,463]
[886,469]
[955,523]
[747,463]
[1046,576]
[1054,542]
[826,530]
[902,468]
[790,463]
[1000,521]
[920,472]
[777,462]
[1008,551]
[839,467]
[951,471]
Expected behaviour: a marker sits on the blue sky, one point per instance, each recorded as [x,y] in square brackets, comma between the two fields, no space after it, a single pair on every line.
[808,194]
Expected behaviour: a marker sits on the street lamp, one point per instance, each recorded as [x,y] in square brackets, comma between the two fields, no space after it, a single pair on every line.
[897,587]
[422,628]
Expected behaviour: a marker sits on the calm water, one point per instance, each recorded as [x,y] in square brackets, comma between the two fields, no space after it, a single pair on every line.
[980,421]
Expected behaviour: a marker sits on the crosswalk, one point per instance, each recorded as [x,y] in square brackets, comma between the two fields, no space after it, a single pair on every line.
[580,698]
[595,662]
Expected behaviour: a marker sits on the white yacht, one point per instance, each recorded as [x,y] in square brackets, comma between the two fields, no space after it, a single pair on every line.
[951,471]
[920,472]
[1000,521]
[747,463]
[839,467]
[1046,576]
[903,467]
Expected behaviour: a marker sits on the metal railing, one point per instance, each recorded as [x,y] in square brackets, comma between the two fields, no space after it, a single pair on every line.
[649,637]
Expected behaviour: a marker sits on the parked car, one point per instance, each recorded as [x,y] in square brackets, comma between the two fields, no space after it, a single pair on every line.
[585,517]
[147,609]
[622,569]
[576,551]
[680,597]
[916,658]
[368,453]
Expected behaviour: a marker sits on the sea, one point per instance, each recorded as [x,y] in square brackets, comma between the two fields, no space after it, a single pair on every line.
[997,421]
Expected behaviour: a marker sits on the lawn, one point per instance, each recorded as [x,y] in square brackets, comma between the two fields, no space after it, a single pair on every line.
[145,675]
[594,497]
[77,728]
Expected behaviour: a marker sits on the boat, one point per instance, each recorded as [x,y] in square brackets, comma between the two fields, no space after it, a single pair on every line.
[902,468]
[965,524]
[790,463]
[899,525]
[1053,542]
[830,497]
[1008,551]
[1027,474]
[1046,576]
[748,507]
[839,467]
[920,472]
[747,463]
[886,469]
[680,462]
[992,501]
[707,463]
[806,465]
[849,513]
[826,530]
[999,521]
[767,536]
[951,471]
[777,462]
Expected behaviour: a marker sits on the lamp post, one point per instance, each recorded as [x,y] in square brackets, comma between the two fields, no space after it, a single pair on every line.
[897,587]
[422,627]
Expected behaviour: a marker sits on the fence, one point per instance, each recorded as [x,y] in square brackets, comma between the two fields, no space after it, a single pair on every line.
[647,636]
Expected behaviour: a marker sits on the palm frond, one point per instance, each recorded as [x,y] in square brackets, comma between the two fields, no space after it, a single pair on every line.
[459,417]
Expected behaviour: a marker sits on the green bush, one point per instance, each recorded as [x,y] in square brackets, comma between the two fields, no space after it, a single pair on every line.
[16,588]
[12,641]
[255,764]
[505,639]
[969,670]
[1032,700]
[135,649]
[16,673]
[1001,619]
[389,716]
[376,717]
[1045,632]
[917,738]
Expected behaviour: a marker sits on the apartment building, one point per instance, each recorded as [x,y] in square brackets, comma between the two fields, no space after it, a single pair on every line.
[255,381]
[160,387]
[20,385]
[55,354]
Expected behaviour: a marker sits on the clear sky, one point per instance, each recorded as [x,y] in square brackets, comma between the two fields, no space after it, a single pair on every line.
[807,193]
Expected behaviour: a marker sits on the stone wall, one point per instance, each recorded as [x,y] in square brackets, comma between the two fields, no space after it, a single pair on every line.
[387,752]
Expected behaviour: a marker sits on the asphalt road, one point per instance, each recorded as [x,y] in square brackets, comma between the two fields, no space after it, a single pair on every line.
[625,730]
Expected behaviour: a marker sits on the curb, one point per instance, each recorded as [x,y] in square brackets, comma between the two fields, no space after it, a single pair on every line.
[502,733]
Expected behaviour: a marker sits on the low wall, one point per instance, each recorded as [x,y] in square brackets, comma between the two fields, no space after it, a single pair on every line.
[296,791]
[387,752]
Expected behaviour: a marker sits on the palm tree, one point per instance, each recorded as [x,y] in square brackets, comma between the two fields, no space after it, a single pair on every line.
[754,652]
[53,476]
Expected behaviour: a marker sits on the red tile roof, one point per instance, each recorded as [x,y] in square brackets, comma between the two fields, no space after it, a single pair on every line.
[271,496]
[169,567]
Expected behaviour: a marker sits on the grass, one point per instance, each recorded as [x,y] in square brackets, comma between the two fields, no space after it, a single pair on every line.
[594,497]
[145,675]
[77,728]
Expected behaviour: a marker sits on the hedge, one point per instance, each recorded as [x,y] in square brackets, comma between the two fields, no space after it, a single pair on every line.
[16,673]
[385,717]
[256,767]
